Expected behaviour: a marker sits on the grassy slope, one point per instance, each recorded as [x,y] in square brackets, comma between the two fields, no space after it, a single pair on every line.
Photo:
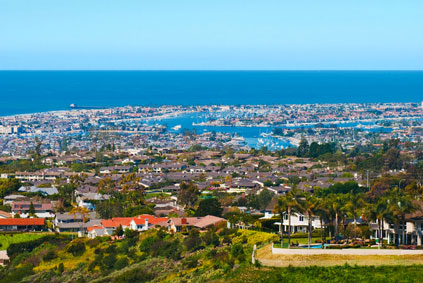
[166,270]
[7,239]
[343,273]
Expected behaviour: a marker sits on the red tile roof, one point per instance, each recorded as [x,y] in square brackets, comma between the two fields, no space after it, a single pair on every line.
[94,228]
[21,221]
[151,219]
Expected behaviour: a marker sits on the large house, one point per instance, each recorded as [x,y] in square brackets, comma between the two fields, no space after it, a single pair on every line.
[412,230]
[22,224]
[65,222]
[42,210]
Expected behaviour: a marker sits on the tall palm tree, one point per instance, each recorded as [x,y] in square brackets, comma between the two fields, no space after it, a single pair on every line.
[354,205]
[307,206]
[379,212]
[336,205]
[324,215]
[281,208]
[293,197]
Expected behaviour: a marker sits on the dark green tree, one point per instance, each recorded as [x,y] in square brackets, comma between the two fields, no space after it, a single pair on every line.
[209,206]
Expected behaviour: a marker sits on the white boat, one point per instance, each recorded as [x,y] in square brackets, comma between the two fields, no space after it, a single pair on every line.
[177,127]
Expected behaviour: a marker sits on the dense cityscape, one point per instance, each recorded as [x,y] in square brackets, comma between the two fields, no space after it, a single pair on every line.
[347,176]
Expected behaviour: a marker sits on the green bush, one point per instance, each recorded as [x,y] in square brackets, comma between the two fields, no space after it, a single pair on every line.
[147,244]
[237,252]
[50,255]
[121,263]
[76,248]
[135,275]
[28,246]
[17,274]
[190,262]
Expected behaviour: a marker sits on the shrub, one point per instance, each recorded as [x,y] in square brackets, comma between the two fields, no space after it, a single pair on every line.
[60,268]
[210,238]
[190,262]
[121,263]
[27,246]
[111,249]
[16,275]
[76,248]
[147,243]
[193,241]
[169,249]
[109,261]
[135,275]
[237,252]
[50,255]
[93,243]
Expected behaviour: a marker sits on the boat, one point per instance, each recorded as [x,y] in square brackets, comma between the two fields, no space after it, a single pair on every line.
[177,127]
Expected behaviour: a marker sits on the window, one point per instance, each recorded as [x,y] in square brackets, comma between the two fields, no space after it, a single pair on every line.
[285,217]
[301,218]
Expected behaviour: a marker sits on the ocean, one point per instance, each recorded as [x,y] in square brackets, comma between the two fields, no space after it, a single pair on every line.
[37,91]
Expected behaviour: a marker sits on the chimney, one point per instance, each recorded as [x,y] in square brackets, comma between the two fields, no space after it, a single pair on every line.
[183,221]
[146,224]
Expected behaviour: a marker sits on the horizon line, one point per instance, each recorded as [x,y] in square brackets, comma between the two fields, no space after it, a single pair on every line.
[210,70]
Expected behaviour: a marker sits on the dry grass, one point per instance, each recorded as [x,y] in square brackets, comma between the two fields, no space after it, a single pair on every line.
[265,256]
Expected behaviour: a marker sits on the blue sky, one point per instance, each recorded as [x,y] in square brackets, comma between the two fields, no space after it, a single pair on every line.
[211,35]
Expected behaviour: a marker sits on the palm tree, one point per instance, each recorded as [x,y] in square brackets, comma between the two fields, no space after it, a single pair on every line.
[308,206]
[399,204]
[336,205]
[281,208]
[354,204]
[324,214]
[292,197]
[379,212]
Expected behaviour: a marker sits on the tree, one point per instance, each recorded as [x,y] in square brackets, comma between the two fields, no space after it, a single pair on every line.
[293,206]
[303,147]
[118,231]
[281,208]
[193,241]
[379,212]
[308,205]
[188,194]
[324,215]
[399,204]
[336,205]
[8,186]
[354,204]
[31,210]
[83,212]
[209,206]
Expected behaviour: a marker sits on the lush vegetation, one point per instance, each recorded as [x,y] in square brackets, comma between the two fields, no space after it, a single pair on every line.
[13,238]
[139,257]
[344,273]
